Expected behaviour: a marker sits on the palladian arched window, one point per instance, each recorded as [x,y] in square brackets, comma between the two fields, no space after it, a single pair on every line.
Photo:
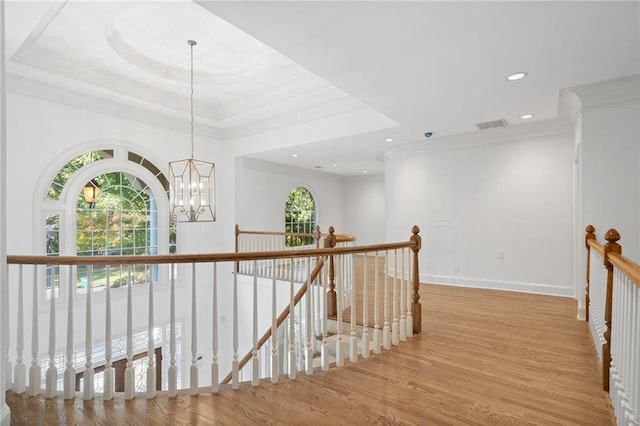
[123,219]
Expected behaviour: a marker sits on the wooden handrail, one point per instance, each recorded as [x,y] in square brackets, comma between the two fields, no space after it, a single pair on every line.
[285,234]
[199,258]
[626,266]
[593,243]
[281,318]
[341,238]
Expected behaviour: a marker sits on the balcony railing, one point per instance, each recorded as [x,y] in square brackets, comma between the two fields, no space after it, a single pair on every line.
[613,311]
[206,313]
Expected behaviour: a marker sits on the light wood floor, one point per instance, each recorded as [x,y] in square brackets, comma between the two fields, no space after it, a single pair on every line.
[484,358]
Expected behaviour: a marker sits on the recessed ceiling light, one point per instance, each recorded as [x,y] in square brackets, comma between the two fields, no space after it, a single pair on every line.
[516,76]
[294,155]
[526,116]
[388,140]
[364,172]
[335,164]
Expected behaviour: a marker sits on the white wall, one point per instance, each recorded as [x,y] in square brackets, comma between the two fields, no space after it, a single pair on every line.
[5,413]
[609,162]
[262,189]
[364,208]
[514,197]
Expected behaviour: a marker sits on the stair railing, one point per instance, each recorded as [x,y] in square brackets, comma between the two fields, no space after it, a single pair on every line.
[613,310]
[173,316]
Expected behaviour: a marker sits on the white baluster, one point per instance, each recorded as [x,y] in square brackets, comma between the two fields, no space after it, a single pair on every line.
[255,378]
[235,384]
[274,333]
[70,372]
[339,307]
[4,331]
[193,371]
[353,340]
[51,388]
[625,339]
[309,320]
[409,294]
[635,348]
[324,350]
[151,354]
[129,374]
[617,371]
[300,340]
[292,331]
[386,331]
[172,373]
[20,372]
[34,370]
[318,307]
[215,380]
[628,341]
[377,333]
[87,376]
[395,332]
[403,290]
[109,377]
[365,310]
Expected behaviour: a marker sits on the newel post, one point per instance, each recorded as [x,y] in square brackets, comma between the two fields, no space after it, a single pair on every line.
[236,247]
[332,300]
[318,235]
[612,236]
[416,307]
[589,235]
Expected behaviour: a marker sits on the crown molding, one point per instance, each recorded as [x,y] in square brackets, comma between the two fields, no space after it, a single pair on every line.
[620,91]
[76,99]
[510,134]
[325,109]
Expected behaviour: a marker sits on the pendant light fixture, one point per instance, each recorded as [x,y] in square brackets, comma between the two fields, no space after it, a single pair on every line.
[91,191]
[192,182]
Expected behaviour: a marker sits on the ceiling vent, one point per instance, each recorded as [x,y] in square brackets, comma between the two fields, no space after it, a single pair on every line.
[492,124]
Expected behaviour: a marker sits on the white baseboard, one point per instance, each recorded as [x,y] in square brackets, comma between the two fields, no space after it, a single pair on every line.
[582,313]
[547,289]
[5,415]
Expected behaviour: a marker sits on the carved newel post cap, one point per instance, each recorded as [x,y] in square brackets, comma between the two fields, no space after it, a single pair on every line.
[590,229]
[331,230]
[415,229]
[612,235]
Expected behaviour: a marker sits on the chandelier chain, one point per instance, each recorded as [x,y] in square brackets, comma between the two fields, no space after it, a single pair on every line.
[192,44]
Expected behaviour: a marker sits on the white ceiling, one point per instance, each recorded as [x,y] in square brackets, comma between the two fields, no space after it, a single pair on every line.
[326,80]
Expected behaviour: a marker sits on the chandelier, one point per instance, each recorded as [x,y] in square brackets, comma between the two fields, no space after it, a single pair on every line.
[192,182]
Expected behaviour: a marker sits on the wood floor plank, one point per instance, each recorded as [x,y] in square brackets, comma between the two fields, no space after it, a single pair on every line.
[485,357]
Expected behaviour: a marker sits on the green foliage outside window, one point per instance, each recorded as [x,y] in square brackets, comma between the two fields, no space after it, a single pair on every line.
[64,174]
[299,216]
[122,221]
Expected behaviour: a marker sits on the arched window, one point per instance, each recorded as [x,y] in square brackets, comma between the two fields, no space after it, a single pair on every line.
[123,220]
[299,216]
